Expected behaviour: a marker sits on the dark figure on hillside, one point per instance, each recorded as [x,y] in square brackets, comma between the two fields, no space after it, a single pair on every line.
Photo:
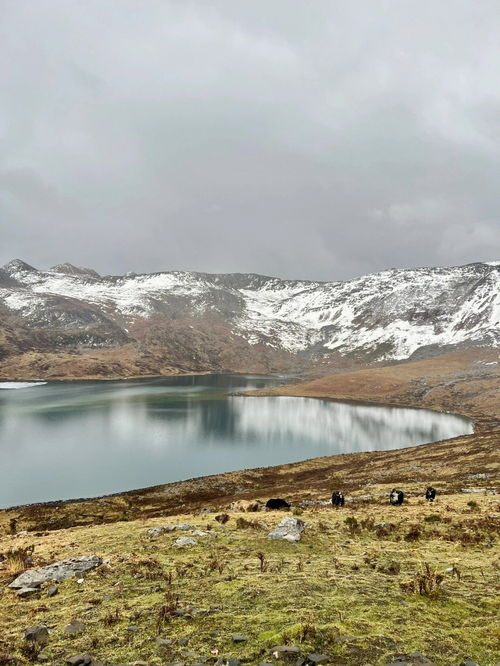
[430,494]
[338,498]
[13,525]
[396,497]
[277,504]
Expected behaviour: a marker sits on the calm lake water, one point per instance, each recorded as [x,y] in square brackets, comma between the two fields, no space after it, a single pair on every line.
[64,440]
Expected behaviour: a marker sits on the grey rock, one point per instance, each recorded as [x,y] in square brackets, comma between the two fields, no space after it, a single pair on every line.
[163,642]
[38,635]
[79,660]
[52,591]
[289,529]
[42,657]
[239,638]
[185,541]
[265,663]
[184,641]
[315,658]
[233,662]
[133,629]
[27,592]
[58,571]
[155,531]
[214,634]
[285,649]
[76,627]
[468,662]
[199,533]
[345,639]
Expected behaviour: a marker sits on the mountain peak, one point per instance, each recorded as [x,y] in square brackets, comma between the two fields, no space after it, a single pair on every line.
[17,265]
[70,269]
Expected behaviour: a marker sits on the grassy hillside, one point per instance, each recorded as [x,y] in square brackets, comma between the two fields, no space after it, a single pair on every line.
[366,583]
[350,588]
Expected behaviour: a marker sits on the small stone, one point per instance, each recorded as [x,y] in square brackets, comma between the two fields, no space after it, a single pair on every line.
[39,635]
[214,634]
[345,639]
[315,658]
[239,638]
[76,627]
[79,660]
[278,650]
[265,663]
[25,592]
[233,662]
[52,591]
[468,662]
[133,629]
[418,658]
[184,641]
[185,541]
[163,642]
[404,603]
[42,657]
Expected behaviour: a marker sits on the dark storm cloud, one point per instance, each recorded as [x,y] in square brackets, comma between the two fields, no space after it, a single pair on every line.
[318,139]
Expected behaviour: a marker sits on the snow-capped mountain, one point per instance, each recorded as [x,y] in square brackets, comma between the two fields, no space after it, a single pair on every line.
[199,321]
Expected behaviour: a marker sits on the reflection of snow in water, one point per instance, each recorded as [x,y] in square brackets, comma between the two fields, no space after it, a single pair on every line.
[347,427]
[19,385]
[89,439]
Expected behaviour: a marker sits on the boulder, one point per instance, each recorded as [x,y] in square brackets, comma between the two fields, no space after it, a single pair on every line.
[79,660]
[289,529]
[38,635]
[58,571]
[76,627]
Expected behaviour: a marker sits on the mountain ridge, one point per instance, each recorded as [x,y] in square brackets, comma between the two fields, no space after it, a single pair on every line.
[188,321]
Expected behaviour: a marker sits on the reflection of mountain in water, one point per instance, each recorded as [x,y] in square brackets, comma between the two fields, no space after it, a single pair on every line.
[345,427]
[67,440]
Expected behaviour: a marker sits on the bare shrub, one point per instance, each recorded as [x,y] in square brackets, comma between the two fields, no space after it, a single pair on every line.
[166,610]
[263,562]
[18,560]
[425,582]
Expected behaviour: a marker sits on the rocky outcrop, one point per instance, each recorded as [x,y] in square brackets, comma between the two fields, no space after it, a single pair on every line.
[62,570]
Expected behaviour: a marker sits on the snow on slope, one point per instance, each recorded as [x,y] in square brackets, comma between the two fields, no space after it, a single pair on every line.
[396,311]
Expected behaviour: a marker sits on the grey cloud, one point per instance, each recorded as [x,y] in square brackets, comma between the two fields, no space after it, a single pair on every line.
[314,140]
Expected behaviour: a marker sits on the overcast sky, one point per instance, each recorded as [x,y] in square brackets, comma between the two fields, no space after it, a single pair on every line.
[304,139]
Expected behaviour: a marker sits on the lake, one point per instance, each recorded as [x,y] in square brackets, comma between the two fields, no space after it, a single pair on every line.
[61,440]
